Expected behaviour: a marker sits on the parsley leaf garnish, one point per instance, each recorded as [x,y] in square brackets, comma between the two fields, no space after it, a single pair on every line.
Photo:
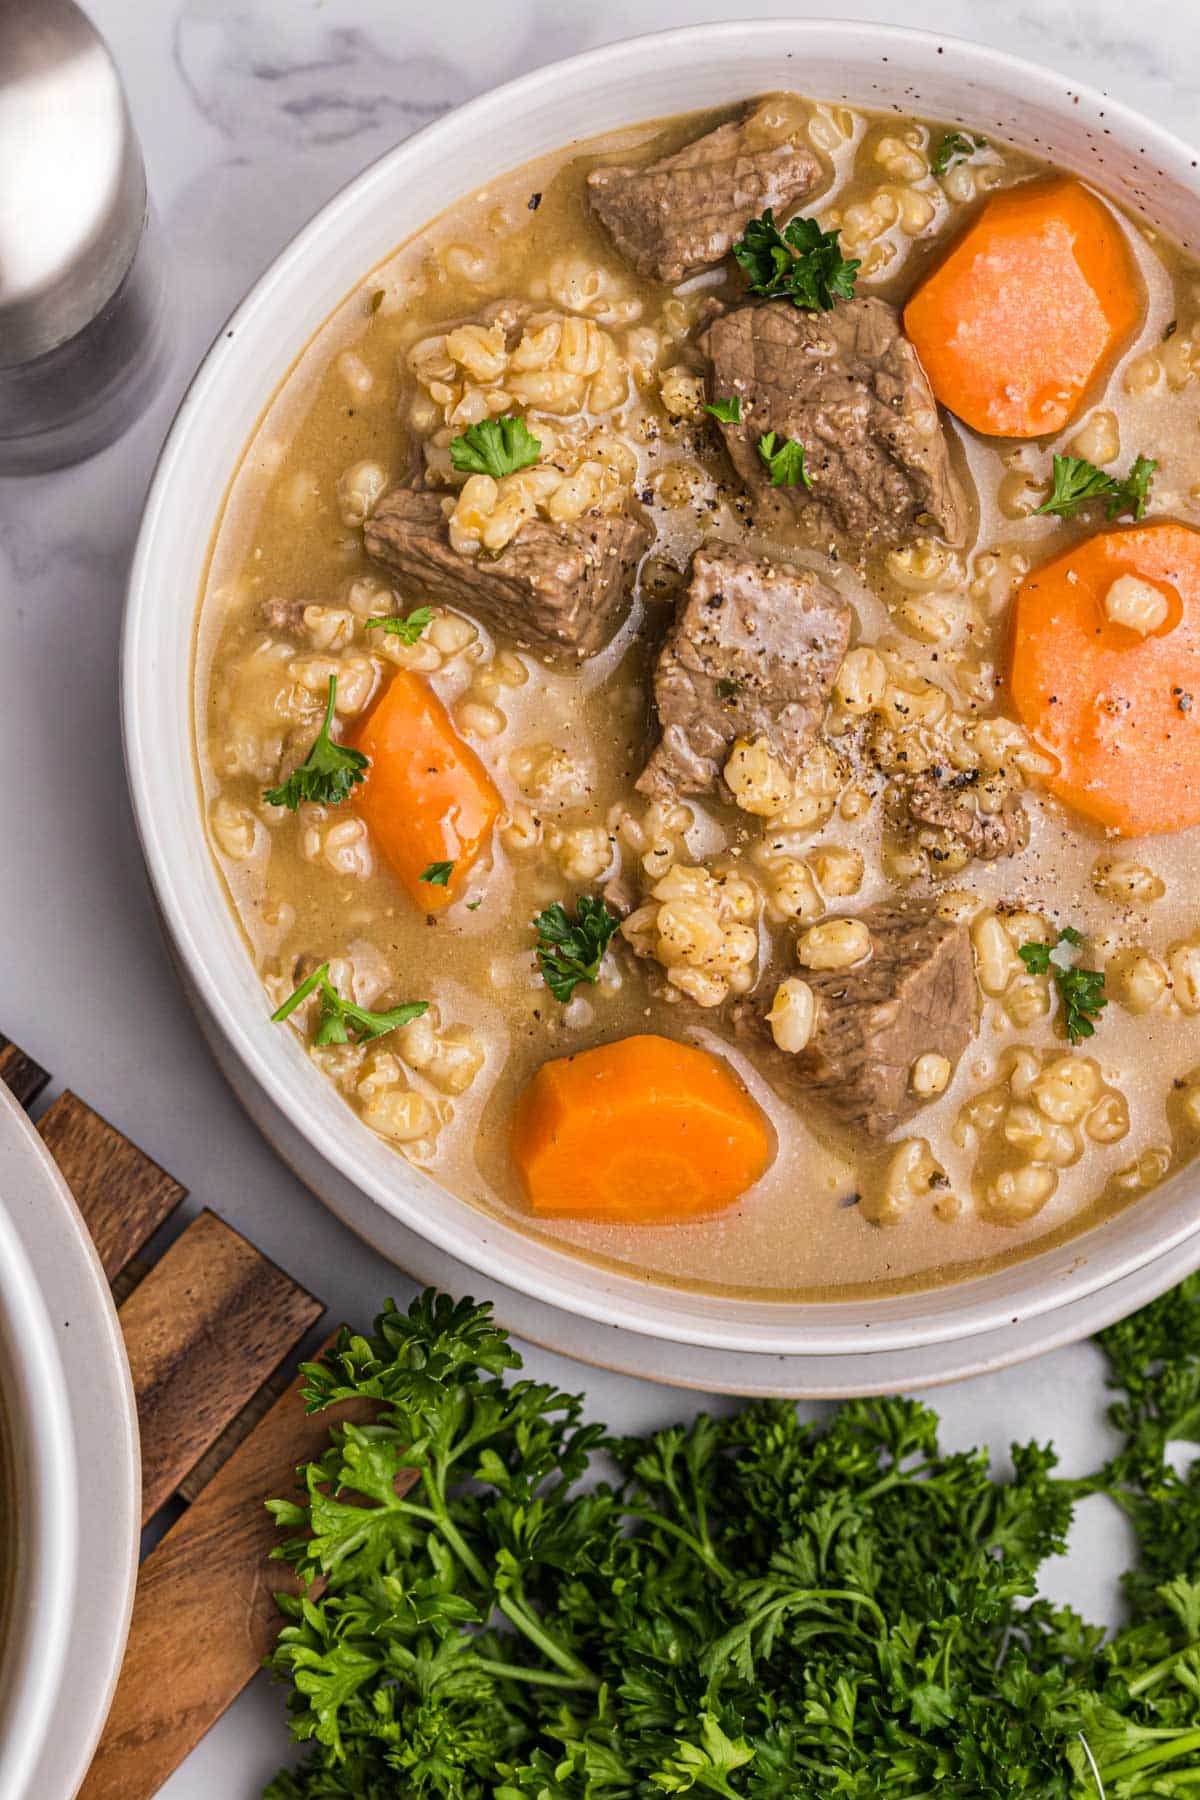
[1134,492]
[340,1021]
[327,773]
[495,447]
[784,458]
[955,147]
[1077,481]
[1081,991]
[407,630]
[801,263]
[437,874]
[728,411]
[570,951]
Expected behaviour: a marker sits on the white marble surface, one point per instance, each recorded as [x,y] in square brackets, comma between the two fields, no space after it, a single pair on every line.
[251,114]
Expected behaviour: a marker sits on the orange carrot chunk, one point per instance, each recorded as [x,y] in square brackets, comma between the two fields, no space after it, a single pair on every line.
[1017,321]
[427,798]
[1105,675]
[643,1131]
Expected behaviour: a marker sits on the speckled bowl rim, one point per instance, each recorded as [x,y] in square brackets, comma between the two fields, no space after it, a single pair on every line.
[1147,167]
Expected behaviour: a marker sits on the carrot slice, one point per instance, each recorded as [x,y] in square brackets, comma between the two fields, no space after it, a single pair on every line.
[641,1131]
[1016,322]
[1118,712]
[426,797]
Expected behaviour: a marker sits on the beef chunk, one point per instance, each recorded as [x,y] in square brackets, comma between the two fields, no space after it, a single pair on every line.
[753,653]
[560,590]
[916,994]
[681,214]
[847,385]
[946,808]
[283,616]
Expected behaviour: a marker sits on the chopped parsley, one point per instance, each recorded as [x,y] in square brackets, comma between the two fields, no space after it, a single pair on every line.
[728,411]
[570,951]
[438,874]
[495,447]
[407,630]
[327,773]
[728,688]
[340,1021]
[801,263]
[1077,482]
[1081,991]
[954,148]
[784,458]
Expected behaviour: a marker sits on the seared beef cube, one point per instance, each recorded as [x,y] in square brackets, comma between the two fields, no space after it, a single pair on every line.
[917,994]
[557,589]
[681,214]
[945,808]
[753,653]
[846,385]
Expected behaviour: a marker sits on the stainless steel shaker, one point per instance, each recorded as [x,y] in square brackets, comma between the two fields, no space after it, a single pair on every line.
[82,313]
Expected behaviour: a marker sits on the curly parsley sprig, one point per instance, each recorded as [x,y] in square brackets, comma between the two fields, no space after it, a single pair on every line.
[1077,482]
[328,772]
[571,950]
[801,263]
[495,447]
[754,1605]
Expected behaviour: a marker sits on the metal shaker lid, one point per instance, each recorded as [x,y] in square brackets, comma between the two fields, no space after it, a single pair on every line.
[72,186]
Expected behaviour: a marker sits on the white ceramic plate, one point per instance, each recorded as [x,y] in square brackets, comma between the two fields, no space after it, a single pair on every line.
[705,66]
[69,1409]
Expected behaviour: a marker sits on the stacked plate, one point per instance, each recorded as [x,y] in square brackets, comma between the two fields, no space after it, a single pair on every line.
[70,1479]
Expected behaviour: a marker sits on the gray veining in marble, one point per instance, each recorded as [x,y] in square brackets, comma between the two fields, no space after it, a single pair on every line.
[251,114]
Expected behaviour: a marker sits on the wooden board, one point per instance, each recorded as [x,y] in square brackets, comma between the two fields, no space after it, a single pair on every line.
[204,1617]
[20,1073]
[123,1195]
[206,1325]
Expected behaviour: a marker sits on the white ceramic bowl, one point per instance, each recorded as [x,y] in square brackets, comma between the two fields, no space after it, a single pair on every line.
[74,1481]
[867,65]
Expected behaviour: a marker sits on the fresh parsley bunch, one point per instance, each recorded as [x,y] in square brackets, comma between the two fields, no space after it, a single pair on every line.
[753,1607]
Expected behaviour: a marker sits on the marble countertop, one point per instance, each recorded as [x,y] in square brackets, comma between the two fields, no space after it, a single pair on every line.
[252,112]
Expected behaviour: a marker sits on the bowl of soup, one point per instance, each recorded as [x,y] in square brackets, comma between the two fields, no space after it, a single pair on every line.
[659,688]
